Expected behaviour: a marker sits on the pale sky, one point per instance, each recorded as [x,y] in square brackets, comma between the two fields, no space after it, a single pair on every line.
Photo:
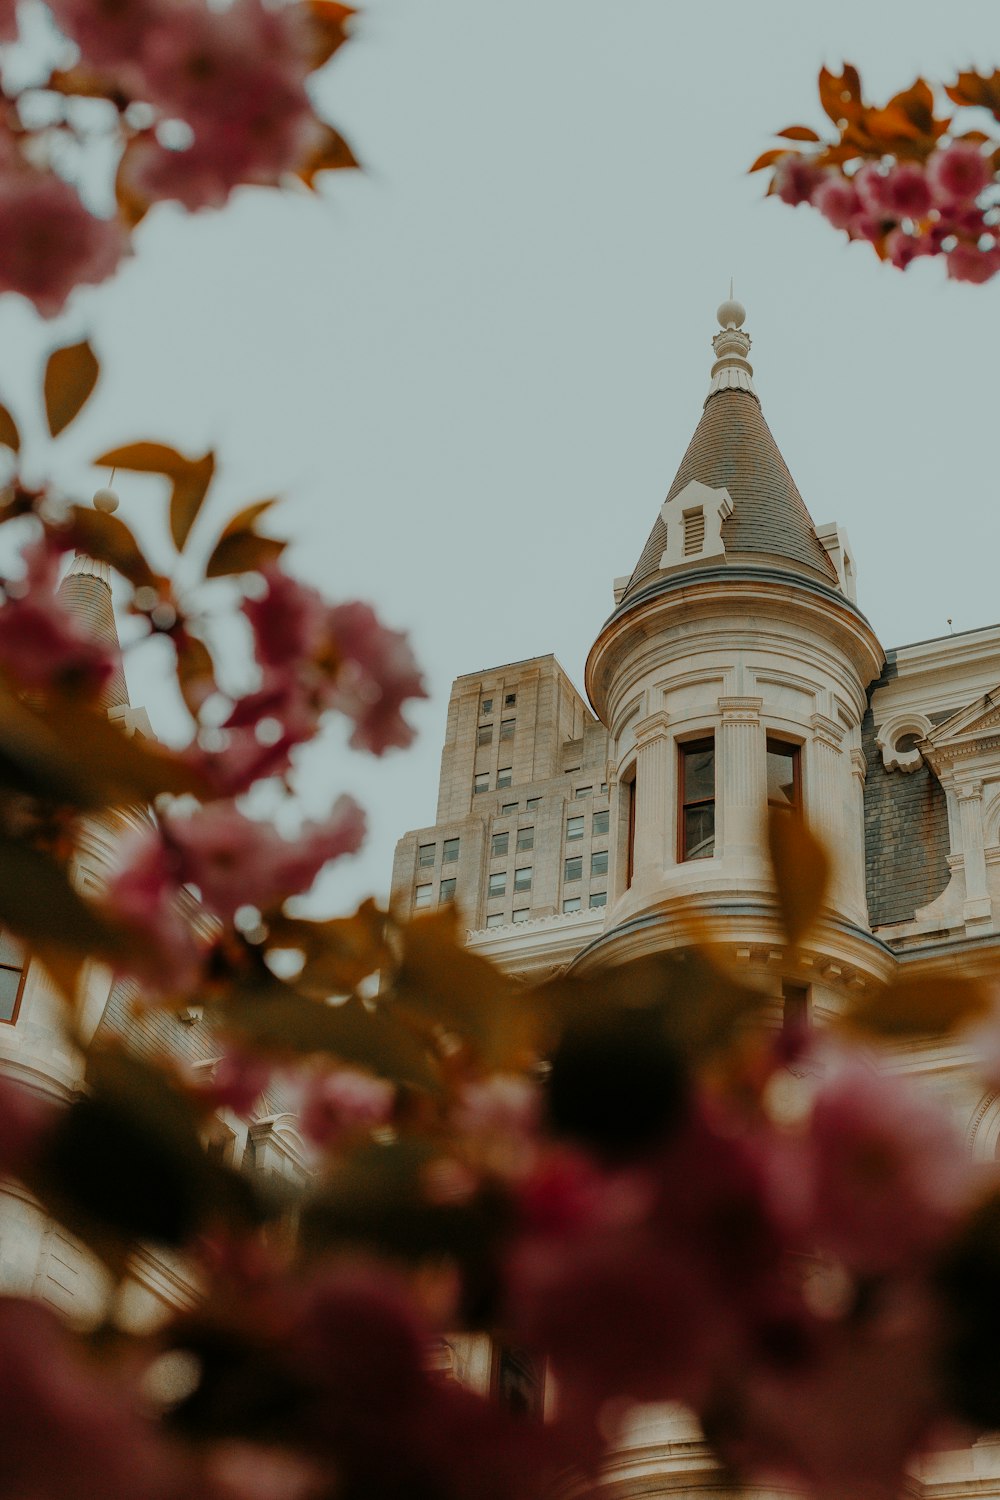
[473,370]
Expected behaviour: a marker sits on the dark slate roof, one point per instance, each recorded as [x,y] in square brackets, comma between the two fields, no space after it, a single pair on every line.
[733,448]
[906,830]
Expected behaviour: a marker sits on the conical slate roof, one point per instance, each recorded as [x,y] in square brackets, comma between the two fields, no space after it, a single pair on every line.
[86,590]
[733,449]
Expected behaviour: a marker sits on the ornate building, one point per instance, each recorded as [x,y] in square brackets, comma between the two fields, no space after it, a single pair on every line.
[735,670]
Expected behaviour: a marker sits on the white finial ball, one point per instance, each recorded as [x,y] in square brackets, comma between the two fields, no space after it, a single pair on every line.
[106,500]
[731,314]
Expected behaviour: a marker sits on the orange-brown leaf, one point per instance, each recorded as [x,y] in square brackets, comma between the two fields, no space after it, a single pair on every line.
[195,672]
[330,154]
[840,95]
[924,1005]
[798,133]
[133,206]
[977,89]
[240,548]
[142,458]
[768,158]
[70,377]
[801,871]
[109,540]
[191,484]
[338,954]
[9,435]
[328,22]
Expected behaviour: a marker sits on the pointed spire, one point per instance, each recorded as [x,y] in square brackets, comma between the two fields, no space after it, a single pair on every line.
[732,370]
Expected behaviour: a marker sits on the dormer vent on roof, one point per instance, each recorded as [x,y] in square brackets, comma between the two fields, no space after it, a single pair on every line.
[734,474]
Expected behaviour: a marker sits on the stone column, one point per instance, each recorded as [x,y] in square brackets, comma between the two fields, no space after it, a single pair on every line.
[653,785]
[978,906]
[740,779]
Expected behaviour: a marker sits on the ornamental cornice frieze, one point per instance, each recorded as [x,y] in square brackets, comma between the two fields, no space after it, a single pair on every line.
[827,731]
[655,726]
[740,709]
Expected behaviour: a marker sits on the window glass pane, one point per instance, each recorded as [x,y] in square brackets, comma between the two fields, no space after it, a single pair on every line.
[450,851]
[10,981]
[781,774]
[522,879]
[699,772]
[599,862]
[496,920]
[574,828]
[506,729]
[505,776]
[584,791]
[482,782]
[499,844]
[600,824]
[573,903]
[498,883]
[574,868]
[526,838]
[509,807]
[484,734]
[510,700]
[446,891]
[487,707]
[522,913]
[533,802]
[598,898]
[604,788]
[11,952]
[699,831]
[423,895]
[426,854]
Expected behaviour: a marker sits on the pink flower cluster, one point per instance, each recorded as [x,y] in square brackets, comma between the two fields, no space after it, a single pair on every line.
[225,861]
[780,1281]
[910,209]
[314,658]
[43,644]
[224,91]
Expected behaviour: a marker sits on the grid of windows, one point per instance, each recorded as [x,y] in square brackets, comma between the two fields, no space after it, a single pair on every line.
[506,729]
[522,879]
[498,844]
[599,862]
[525,838]
[505,775]
[572,903]
[425,854]
[601,822]
[574,868]
[498,883]
[422,895]
[450,851]
[446,891]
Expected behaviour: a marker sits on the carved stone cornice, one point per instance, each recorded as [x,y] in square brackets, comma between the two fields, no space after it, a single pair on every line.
[969,791]
[740,710]
[859,765]
[655,726]
[827,731]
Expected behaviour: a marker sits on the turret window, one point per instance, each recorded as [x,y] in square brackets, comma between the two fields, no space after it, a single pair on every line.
[696,812]
[784,775]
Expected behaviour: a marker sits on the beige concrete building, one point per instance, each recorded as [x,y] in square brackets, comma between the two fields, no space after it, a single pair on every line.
[736,670]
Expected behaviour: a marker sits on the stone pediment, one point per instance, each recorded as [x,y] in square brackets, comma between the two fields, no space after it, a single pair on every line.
[971,731]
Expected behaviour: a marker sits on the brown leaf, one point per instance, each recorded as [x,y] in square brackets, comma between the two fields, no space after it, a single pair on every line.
[9,435]
[108,539]
[330,154]
[328,21]
[840,95]
[190,479]
[977,89]
[921,1005]
[339,954]
[768,158]
[39,904]
[240,548]
[195,671]
[70,377]
[801,871]
[798,133]
[133,206]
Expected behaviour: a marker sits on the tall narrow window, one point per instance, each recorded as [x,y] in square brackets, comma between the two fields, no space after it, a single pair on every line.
[481,782]
[525,838]
[425,854]
[505,776]
[499,845]
[795,1006]
[484,734]
[446,891]
[628,791]
[574,828]
[498,883]
[450,851]
[423,895]
[600,823]
[11,978]
[696,814]
[784,775]
[506,729]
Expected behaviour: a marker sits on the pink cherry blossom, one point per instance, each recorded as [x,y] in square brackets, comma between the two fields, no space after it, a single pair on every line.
[377,675]
[49,242]
[143,896]
[890,1176]
[836,200]
[109,33]
[970,263]
[795,180]
[499,1118]
[906,192]
[237,77]
[288,620]
[342,1103]
[43,642]
[905,248]
[870,185]
[958,173]
[25,1122]
[8,20]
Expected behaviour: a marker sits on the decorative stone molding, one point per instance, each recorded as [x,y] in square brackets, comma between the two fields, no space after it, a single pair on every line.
[827,731]
[654,727]
[741,710]
[859,766]
[895,729]
[693,519]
